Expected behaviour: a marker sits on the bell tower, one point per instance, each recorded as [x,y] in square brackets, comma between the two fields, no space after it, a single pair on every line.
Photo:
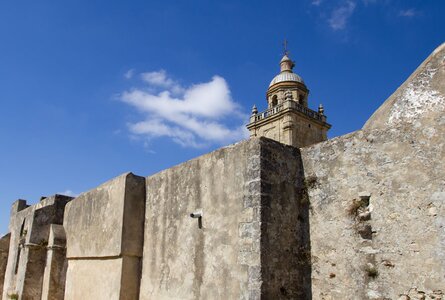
[288,119]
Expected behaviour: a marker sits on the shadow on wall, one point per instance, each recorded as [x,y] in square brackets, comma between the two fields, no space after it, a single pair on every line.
[285,241]
[303,226]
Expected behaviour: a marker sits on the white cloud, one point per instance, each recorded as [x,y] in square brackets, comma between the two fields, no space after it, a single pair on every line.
[408,13]
[316,2]
[129,74]
[68,193]
[196,116]
[160,79]
[340,15]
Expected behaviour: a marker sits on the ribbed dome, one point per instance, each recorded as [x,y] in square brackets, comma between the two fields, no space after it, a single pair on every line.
[286,76]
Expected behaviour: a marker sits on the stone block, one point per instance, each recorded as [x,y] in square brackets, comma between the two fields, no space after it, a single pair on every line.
[104,233]
[108,220]
[93,279]
[103,279]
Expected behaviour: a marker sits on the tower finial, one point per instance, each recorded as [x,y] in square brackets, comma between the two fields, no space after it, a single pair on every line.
[285,51]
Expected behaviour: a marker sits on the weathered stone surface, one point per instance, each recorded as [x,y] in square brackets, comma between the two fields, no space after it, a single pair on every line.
[182,260]
[53,287]
[94,279]
[415,294]
[383,247]
[285,246]
[361,216]
[104,233]
[236,250]
[107,278]
[108,220]
[419,100]
[30,229]
[4,250]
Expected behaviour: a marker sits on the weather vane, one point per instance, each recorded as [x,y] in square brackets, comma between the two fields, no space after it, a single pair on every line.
[286,52]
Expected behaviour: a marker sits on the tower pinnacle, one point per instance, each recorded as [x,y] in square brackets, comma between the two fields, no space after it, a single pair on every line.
[285,51]
[286,64]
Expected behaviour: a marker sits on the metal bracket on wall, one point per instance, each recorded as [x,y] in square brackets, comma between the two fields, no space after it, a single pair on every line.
[197,215]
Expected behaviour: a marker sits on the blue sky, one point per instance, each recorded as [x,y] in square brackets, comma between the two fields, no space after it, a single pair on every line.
[92,89]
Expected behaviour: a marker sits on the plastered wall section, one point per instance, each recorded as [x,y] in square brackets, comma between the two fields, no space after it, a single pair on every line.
[104,234]
[377,198]
[220,256]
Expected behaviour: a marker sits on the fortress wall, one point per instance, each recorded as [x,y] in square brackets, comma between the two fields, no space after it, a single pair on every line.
[53,287]
[18,228]
[285,247]
[360,216]
[235,252]
[4,251]
[104,235]
[182,260]
[29,228]
[377,198]
[401,246]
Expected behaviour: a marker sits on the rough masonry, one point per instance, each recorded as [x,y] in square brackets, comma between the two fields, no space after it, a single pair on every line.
[361,216]
[233,251]
[27,259]
[378,198]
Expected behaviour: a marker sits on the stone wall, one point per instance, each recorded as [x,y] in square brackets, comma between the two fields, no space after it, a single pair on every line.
[360,216]
[4,250]
[285,247]
[233,251]
[377,198]
[54,276]
[30,228]
[104,235]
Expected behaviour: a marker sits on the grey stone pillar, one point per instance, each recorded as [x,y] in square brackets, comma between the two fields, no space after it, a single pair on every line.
[53,287]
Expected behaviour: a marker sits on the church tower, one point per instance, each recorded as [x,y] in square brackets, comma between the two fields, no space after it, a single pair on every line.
[288,119]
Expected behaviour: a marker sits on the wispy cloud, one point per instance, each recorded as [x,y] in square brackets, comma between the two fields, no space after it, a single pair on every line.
[340,15]
[129,74]
[68,193]
[194,116]
[337,13]
[160,79]
[408,13]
